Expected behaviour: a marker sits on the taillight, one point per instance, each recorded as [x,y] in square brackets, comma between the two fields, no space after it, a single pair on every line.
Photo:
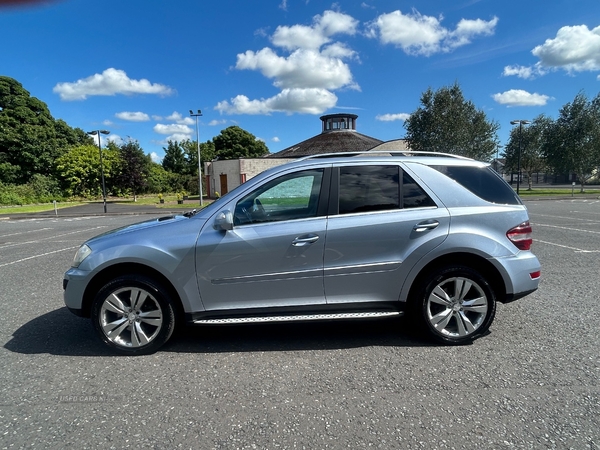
[521,236]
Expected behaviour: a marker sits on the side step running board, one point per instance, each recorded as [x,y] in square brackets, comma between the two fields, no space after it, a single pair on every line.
[297,318]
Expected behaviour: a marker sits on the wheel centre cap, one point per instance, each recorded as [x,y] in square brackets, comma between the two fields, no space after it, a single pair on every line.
[131,316]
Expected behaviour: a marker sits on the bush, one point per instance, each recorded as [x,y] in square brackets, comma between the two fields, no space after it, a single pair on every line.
[40,189]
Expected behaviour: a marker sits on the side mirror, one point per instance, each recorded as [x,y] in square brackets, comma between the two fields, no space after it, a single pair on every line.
[223,221]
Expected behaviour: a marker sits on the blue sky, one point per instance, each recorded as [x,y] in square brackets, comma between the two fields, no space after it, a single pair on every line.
[136,67]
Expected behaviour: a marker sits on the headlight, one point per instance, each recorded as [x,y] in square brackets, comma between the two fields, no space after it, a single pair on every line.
[83,252]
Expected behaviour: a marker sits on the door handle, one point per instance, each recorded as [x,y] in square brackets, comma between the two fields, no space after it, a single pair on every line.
[427,225]
[306,239]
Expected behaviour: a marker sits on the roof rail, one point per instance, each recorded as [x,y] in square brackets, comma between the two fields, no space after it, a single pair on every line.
[384,153]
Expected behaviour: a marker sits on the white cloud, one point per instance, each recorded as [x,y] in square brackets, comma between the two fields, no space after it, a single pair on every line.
[179,137]
[178,118]
[574,49]
[417,34]
[302,69]
[275,139]
[306,76]
[214,122]
[392,117]
[317,35]
[172,128]
[133,116]
[307,101]
[526,73]
[109,82]
[517,97]
[154,156]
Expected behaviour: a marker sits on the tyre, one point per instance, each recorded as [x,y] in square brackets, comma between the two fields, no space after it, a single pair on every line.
[133,315]
[455,305]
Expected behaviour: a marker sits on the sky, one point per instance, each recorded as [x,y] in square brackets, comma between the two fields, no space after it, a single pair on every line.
[273,67]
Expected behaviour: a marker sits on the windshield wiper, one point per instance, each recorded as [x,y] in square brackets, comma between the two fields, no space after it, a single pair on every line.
[191,213]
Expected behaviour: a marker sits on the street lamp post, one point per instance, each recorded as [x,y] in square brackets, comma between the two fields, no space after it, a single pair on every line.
[198,147]
[521,123]
[94,133]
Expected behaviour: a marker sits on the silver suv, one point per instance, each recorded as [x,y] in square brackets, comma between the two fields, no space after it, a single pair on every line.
[440,237]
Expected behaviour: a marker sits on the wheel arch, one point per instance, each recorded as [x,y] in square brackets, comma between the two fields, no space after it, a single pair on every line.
[111,272]
[473,261]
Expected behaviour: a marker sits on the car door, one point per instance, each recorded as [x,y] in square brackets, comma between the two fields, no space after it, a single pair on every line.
[380,224]
[273,255]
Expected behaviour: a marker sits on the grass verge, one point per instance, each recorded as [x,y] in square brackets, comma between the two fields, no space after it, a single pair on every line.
[37,208]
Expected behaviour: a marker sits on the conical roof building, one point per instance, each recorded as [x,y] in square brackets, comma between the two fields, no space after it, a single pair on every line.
[338,134]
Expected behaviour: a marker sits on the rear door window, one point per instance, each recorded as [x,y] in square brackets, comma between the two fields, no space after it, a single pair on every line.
[369,188]
[378,188]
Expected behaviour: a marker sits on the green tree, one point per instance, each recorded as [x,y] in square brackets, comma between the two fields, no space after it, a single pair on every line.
[159,180]
[572,142]
[30,138]
[207,153]
[134,170]
[174,162]
[174,159]
[448,123]
[80,169]
[531,141]
[190,149]
[234,142]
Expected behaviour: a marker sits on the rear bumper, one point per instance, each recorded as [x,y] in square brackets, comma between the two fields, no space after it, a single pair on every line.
[512,297]
[522,274]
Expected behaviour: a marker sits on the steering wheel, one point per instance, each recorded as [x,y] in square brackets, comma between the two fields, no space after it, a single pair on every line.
[258,207]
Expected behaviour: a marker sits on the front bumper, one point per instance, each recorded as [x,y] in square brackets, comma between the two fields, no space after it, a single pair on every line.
[74,284]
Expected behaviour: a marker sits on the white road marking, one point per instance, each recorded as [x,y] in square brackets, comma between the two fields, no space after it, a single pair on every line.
[12,244]
[564,228]
[577,250]
[566,218]
[25,232]
[38,256]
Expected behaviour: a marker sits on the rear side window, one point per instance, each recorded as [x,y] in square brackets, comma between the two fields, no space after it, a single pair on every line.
[369,188]
[413,195]
[483,182]
[378,188]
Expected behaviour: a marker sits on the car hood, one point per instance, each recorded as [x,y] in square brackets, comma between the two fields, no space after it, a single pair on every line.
[153,225]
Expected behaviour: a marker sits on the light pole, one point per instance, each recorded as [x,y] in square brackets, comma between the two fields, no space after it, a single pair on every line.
[521,123]
[94,133]
[198,145]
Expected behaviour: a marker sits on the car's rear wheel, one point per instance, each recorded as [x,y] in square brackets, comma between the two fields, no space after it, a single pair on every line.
[456,305]
[133,315]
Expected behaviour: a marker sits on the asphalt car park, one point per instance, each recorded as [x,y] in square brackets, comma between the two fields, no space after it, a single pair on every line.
[532,382]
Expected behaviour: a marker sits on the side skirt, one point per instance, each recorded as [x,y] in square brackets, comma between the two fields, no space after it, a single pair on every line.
[302,314]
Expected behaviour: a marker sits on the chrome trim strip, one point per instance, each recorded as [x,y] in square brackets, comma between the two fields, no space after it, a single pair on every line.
[360,268]
[303,317]
[312,273]
[296,275]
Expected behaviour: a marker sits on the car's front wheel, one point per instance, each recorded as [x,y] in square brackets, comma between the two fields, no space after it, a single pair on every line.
[456,305]
[133,315]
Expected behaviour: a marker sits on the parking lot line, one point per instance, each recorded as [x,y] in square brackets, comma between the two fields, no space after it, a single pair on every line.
[577,250]
[38,256]
[564,228]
